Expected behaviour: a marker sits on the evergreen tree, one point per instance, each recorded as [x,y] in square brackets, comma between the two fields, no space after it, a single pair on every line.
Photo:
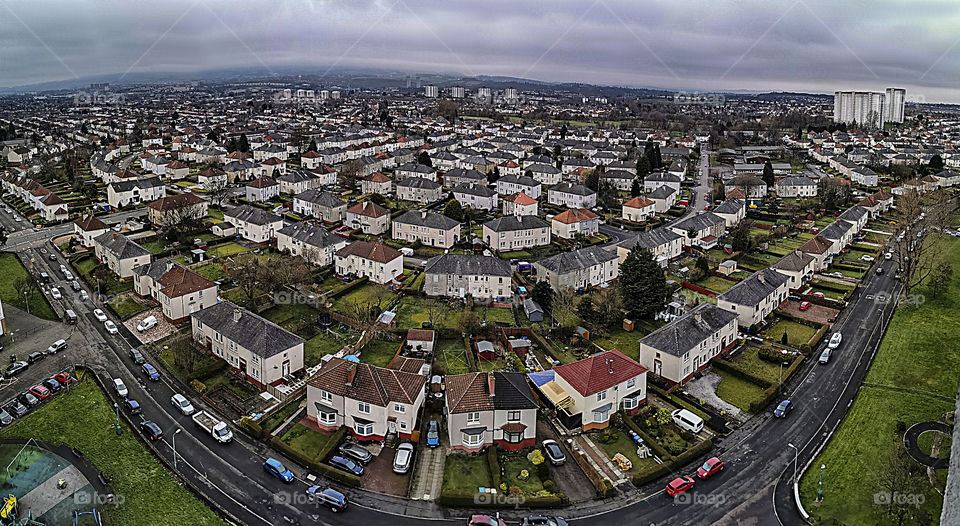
[593,179]
[936,163]
[643,166]
[424,159]
[643,285]
[542,293]
[635,188]
[587,313]
[494,175]
[768,174]
[313,145]
[244,145]
[453,210]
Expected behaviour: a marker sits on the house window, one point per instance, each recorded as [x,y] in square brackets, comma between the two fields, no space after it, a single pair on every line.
[364,429]
[473,440]
[513,416]
[400,408]
[327,419]
[473,418]
[631,382]
[512,438]
[363,407]
[601,416]
[326,396]
[602,395]
[629,403]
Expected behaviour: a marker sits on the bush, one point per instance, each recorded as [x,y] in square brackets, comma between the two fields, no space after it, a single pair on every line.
[774,356]
[493,462]
[608,491]
[247,424]
[198,386]
[550,486]
[647,439]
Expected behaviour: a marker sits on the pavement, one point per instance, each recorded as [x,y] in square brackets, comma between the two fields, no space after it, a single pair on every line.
[705,388]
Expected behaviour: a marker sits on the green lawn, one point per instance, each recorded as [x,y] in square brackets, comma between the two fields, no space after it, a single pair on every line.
[488,366]
[465,474]
[513,465]
[281,416]
[325,343]
[305,440]
[718,285]
[10,271]
[379,353]
[496,315]
[211,271]
[919,355]
[797,334]
[126,306]
[226,249]
[364,294]
[451,357]
[412,312]
[625,445]
[736,391]
[151,496]
[623,341]
[748,360]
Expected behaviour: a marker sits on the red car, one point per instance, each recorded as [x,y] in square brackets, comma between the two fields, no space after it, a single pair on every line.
[485,520]
[817,294]
[40,392]
[804,305]
[64,378]
[710,468]
[679,485]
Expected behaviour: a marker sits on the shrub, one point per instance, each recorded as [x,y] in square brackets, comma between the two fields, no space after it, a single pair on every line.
[494,464]
[524,474]
[535,457]
[515,490]
[542,471]
[248,425]
[550,486]
[198,386]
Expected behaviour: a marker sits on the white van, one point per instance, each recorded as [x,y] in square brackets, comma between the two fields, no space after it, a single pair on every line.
[687,420]
[147,323]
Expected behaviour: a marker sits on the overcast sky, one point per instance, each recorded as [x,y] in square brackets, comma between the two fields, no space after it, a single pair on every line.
[808,45]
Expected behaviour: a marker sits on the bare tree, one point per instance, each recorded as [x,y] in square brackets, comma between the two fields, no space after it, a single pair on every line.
[564,303]
[437,311]
[289,272]
[349,172]
[26,287]
[218,191]
[250,275]
[899,477]
[921,218]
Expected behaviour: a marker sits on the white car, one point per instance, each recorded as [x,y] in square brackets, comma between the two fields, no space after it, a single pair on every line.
[84,296]
[835,340]
[888,256]
[180,402]
[111,327]
[55,293]
[97,313]
[120,388]
[867,257]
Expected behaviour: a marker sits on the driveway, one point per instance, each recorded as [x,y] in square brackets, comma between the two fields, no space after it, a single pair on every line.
[379,476]
[568,477]
[428,467]
[815,313]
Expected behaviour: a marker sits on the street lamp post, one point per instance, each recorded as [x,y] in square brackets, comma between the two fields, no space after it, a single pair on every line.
[820,486]
[780,381]
[175,433]
[796,456]
[116,407]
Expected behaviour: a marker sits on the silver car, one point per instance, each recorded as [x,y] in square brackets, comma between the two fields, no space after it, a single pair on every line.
[403,459]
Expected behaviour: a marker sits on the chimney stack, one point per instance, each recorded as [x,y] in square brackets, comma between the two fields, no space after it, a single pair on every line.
[236,315]
[351,373]
[761,277]
[491,384]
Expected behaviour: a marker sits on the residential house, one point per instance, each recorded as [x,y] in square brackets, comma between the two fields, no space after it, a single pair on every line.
[663,243]
[510,233]
[821,249]
[377,262]
[262,189]
[415,170]
[701,230]
[592,266]
[133,192]
[461,176]
[660,179]
[369,217]
[260,350]
[798,266]
[546,174]
[176,209]
[679,350]
[754,298]
[512,184]
[520,204]
[429,228]
[638,209]
[212,179]
[476,196]
[622,180]
[569,223]
[313,243]
[590,391]
[254,224]
[376,183]
[419,190]
[490,409]
[177,170]
[297,182]
[320,204]
[732,210]
[371,402]
[877,203]
[455,275]
[796,186]
[572,195]
[119,253]
[663,199]
[179,290]
[87,228]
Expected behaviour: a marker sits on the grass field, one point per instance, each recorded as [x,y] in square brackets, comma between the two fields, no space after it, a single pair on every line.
[150,495]
[125,306]
[412,313]
[797,334]
[379,353]
[496,315]
[323,344]
[464,474]
[736,391]
[10,271]
[306,441]
[226,249]
[718,285]
[623,341]
[451,357]
[918,357]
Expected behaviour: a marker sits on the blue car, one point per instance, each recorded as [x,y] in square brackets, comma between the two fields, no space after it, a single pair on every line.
[277,469]
[151,372]
[433,434]
[328,497]
[346,464]
[782,409]
[132,406]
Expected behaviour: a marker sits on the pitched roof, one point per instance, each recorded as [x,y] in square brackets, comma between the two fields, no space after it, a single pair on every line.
[521,199]
[256,334]
[369,209]
[262,182]
[367,383]
[794,261]
[251,214]
[755,288]
[367,250]
[816,245]
[638,202]
[467,265]
[175,202]
[90,223]
[572,188]
[471,392]
[179,281]
[689,330]
[120,245]
[320,198]
[599,372]
[575,216]
[577,260]
[427,219]
[514,223]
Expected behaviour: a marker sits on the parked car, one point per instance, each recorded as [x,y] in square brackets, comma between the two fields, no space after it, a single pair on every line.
[888,255]
[485,520]
[783,409]
[29,399]
[151,372]
[151,430]
[710,468]
[132,406]
[119,387]
[55,293]
[553,452]
[111,327]
[56,347]
[835,340]
[99,315]
[75,285]
[84,296]
[867,257]
[346,464]
[825,356]
[879,271]
[356,452]
[679,485]
[147,323]
[5,418]
[804,305]
[64,378]
[403,459]
[819,294]
[329,497]
[543,520]
[433,434]
[182,404]
[16,408]
[137,356]
[40,391]
[35,357]
[278,470]
[16,368]
[68,276]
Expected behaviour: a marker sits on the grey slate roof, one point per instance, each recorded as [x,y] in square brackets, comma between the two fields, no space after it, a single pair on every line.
[664,177]
[795,261]
[297,176]
[836,230]
[251,214]
[686,332]
[754,289]
[311,234]
[572,188]
[120,245]
[259,335]
[321,198]
[427,219]
[467,265]
[474,189]
[796,181]
[730,206]
[663,192]
[519,179]
[699,222]
[419,182]
[129,184]
[650,239]
[513,223]
[577,260]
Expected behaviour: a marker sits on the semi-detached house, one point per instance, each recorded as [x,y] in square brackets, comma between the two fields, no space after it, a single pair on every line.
[377,262]
[179,290]
[456,275]
[680,349]
[663,243]
[429,228]
[515,233]
[592,266]
[485,409]
[754,298]
[315,244]
[121,254]
[254,224]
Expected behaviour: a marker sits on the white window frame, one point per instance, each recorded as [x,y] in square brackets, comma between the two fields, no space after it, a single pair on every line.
[473,440]
[602,395]
[363,429]
[326,396]
[513,416]
[473,417]
[327,418]
[363,407]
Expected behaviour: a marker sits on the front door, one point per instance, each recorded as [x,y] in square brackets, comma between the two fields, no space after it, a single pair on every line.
[392,426]
[243,366]
[657,366]
[285,368]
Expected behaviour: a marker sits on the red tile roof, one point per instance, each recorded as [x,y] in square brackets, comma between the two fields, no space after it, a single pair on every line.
[575,216]
[599,372]
[373,251]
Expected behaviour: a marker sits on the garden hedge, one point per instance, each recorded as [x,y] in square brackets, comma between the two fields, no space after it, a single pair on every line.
[494,464]
[773,392]
[336,475]
[472,501]
[747,376]
[669,467]
[659,450]
[346,287]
